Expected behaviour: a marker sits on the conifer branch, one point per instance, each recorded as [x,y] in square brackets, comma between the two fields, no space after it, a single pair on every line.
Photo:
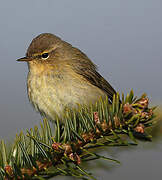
[55,149]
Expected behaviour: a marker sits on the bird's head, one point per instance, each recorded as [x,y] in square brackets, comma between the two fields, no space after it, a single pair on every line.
[46,48]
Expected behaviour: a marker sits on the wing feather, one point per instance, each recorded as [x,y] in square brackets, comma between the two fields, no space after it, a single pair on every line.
[84,66]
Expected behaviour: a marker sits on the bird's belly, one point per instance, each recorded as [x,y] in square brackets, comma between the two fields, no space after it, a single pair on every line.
[53,96]
[44,96]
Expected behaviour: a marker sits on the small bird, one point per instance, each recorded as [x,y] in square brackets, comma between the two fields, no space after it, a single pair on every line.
[61,76]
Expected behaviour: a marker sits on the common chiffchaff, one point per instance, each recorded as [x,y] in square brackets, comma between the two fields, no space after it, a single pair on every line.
[61,76]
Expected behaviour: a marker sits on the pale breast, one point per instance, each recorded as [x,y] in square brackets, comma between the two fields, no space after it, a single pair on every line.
[44,96]
[51,93]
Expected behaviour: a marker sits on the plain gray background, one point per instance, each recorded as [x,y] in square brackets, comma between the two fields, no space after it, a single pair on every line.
[123,37]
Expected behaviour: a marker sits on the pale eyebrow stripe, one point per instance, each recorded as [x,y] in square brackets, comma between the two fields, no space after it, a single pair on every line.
[45,51]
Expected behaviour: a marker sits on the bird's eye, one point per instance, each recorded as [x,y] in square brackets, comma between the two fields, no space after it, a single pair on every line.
[45,55]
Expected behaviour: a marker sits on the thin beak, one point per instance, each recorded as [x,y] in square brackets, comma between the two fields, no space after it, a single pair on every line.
[24,59]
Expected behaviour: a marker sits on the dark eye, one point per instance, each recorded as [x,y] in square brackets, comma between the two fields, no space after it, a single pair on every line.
[45,55]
